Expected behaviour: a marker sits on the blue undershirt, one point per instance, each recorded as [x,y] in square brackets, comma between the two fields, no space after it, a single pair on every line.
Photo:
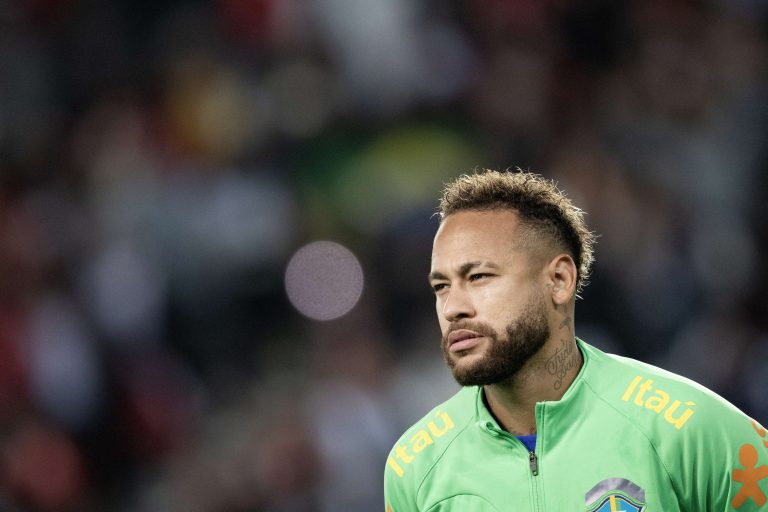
[529,442]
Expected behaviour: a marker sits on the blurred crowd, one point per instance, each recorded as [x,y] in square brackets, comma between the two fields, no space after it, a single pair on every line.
[160,162]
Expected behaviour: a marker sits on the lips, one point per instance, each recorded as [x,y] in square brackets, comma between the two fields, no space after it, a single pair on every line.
[463,339]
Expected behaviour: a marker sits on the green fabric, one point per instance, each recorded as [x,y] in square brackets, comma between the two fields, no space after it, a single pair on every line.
[625,436]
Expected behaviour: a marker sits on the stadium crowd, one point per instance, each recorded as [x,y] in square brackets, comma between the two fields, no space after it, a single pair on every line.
[160,162]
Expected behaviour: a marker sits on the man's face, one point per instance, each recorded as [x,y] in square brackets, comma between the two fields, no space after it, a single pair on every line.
[489,296]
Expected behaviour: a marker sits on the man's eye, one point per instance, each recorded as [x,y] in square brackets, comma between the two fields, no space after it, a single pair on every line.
[439,286]
[476,277]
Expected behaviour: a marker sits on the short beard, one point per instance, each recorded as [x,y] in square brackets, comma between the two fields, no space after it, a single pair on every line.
[504,356]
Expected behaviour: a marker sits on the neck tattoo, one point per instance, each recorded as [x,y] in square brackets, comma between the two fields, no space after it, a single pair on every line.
[566,357]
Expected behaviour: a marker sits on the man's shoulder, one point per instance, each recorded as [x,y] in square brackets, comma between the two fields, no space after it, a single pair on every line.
[700,438]
[424,443]
[656,399]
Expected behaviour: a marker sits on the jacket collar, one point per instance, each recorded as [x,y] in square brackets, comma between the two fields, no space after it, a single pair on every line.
[487,422]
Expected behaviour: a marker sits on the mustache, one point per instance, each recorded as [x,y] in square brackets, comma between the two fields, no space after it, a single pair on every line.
[478,327]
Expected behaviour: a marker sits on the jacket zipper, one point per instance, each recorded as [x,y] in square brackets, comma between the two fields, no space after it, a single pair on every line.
[534,463]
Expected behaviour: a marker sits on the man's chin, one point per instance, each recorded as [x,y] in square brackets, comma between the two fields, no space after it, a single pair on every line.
[466,359]
[468,369]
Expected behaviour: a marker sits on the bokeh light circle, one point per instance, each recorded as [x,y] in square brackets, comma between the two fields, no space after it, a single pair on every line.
[324,280]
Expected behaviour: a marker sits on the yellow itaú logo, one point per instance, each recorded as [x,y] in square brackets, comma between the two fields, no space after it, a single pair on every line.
[419,442]
[658,401]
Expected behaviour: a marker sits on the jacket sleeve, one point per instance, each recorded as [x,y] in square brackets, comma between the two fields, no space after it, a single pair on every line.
[748,474]
[399,489]
[722,463]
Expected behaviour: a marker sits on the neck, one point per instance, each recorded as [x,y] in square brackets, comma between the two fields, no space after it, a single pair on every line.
[545,377]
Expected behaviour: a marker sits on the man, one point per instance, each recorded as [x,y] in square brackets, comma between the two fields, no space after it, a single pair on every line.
[544,421]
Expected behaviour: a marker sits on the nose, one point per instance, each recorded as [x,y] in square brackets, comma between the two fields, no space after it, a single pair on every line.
[457,305]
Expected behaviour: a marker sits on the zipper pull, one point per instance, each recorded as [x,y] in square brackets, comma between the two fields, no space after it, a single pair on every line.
[534,463]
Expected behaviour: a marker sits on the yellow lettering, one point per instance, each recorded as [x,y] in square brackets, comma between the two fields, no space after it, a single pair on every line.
[658,402]
[420,441]
[631,388]
[678,422]
[395,467]
[447,425]
[645,386]
[403,455]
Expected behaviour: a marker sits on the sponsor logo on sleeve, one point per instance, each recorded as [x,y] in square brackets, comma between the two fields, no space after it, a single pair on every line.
[405,454]
[615,495]
[751,472]
[644,395]
[761,432]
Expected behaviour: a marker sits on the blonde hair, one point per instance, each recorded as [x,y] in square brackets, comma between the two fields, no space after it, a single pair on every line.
[541,206]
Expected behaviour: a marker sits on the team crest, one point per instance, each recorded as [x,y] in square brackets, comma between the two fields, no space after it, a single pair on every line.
[615,495]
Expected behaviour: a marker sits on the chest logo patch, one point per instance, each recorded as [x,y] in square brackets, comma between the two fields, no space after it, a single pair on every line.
[615,495]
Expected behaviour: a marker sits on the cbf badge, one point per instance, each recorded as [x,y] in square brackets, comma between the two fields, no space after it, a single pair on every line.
[615,495]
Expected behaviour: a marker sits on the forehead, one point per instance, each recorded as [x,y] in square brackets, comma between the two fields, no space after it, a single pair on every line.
[469,235]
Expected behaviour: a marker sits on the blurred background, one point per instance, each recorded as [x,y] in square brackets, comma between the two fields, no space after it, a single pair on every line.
[165,342]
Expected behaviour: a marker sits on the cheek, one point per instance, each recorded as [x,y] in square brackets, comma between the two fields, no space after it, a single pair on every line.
[495,298]
[501,304]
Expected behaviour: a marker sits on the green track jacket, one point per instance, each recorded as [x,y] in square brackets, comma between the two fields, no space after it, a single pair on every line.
[626,436]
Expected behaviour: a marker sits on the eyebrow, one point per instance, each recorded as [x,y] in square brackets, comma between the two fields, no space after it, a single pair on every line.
[464,269]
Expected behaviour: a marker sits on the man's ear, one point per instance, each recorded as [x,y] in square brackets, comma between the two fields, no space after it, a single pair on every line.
[561,273]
